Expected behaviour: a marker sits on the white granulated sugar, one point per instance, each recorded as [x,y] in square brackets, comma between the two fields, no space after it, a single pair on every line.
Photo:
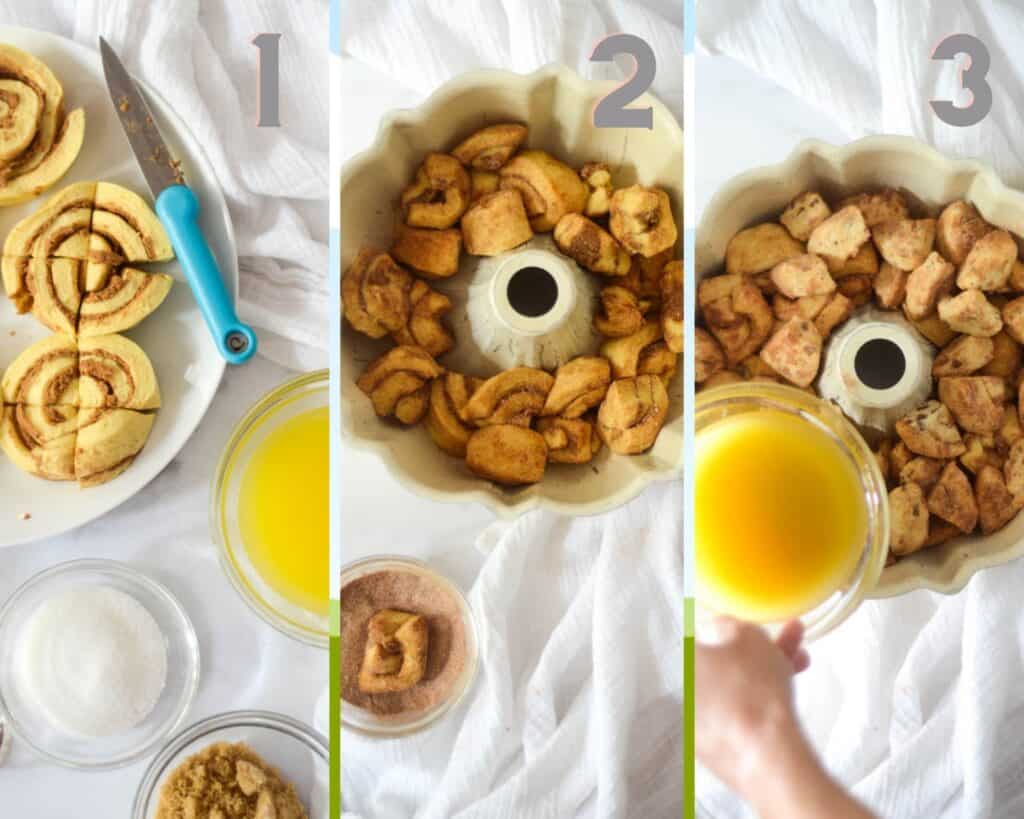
[94,660]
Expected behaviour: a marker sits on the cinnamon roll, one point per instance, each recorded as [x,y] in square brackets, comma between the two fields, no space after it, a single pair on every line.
[115,372]
[550,189]
[495,223]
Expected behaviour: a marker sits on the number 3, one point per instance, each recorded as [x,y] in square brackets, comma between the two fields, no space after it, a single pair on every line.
[611,112]
[972,79]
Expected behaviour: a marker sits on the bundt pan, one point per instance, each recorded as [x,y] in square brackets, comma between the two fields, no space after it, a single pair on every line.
[557,105]
[930,180]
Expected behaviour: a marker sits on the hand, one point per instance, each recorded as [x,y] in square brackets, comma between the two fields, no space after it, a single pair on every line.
[747,732]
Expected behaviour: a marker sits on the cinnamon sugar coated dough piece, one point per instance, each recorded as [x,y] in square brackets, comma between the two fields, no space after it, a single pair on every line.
[447,652]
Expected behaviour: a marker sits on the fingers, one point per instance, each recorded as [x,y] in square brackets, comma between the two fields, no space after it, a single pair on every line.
[789,642]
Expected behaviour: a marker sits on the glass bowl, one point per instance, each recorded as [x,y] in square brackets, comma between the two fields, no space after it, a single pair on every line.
[299,754]
[305,392]
[722,402]
[369,724]
[26,718]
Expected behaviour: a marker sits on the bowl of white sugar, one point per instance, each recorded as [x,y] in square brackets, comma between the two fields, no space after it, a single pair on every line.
[101,664]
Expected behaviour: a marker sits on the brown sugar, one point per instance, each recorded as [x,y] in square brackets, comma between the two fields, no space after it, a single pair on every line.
[228,781]
[412,592]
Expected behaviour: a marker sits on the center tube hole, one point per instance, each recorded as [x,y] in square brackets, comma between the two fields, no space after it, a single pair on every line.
[532,291]
[880,364]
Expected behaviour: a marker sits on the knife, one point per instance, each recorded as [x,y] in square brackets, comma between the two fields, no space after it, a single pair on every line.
[178,209]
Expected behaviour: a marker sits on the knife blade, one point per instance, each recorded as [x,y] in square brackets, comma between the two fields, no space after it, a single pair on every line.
[178,210]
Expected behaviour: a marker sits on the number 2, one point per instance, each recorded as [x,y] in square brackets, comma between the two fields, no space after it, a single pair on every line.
[611,112]
[268,79]
[972,79]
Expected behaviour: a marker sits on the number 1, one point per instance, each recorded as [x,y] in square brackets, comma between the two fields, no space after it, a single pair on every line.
[268,74]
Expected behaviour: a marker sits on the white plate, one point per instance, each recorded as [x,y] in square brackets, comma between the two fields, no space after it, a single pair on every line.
[175,337]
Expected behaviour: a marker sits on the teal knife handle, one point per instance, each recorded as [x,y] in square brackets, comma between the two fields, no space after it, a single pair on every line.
[178,210]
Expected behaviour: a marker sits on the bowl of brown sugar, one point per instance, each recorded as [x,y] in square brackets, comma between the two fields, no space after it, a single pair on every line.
[408,646]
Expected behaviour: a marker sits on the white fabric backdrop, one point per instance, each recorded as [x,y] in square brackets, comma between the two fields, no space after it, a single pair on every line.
[578,707]
[199,57]
[915,702]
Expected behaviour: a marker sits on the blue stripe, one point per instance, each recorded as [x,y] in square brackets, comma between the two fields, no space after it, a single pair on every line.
[335,27]
[689,26]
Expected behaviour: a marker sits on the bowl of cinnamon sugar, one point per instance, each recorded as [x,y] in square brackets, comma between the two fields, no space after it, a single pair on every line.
[408,646]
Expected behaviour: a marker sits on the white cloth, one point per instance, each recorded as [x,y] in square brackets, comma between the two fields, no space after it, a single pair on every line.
[577,710]
[198,55]
[915,702]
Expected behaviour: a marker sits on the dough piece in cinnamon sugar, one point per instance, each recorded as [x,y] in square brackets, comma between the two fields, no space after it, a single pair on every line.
[642,352]
[495,223]
[758,249]
[550,188]
[425,327]
[514,396]
[632,414]
[508,454]
[736,314]
[622,312]
[448,395]
[482,183]
[958,228]
[570,440]
[439,195]
[598,177]
[803,214]
[580,385]
[490,148]
[709,359]
[672,305]
[590,245]
[794,351]
[433,253]
[375,294]
[905,243]
[644,277]
[395,657]
[886,205]
[398,383]
[642,221]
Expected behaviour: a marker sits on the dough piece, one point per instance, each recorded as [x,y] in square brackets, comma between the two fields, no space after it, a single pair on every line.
[56,298]
[598,177]
[59,228]
[127,299]
[976,401]
[959,227]
[934,329]
[569,440]
[989,264]
[862,263]
[425,327]
[1013,319]
[549,188]
[905,243]
[109,441]
[841,235]
[398,383]
[439,195]
[736,314]
[642,221]
[123,222]
[964,356]
[807,307]
[996,506]
[482,183]
[672,305]
[395,656]
[890,286]
[804,275]
[952,499]
[508,454]
[495,223]
[1014,470]
[1006,357]
[511,397]
[908,519]
[708,355]
[115,372]
[971,313]
[448,395]
[434,253]
[622,312]
[490,148]
[590,245]
[625,353]
[927,284]
[40,440]
[931,431]
[46,374]
[925,472]
[838,310]
[103,262]
[632,414]
[644,277]
[886,205]
[794,351]
[858,289]
[760,248]
[39,142]
[979,453]
[579,385]
[375,294]
[804,214]
[723,378]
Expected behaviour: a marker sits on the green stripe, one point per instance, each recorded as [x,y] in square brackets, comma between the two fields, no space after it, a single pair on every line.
[689,785]
[335,708]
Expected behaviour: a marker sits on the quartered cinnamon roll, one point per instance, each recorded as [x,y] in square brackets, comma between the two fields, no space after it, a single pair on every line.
[495,223]
[115,372]
[633,414]
[425,327]
[398,383]
[550,189]
[38,141]
[570,440]
[580,385]
[40,440]
[643,352]
[375,294]
[622,312]
[109,440]
[128,297]
[591,245]
[54,288]
[60,227]
[439,195]
[46,374]
[124,224]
